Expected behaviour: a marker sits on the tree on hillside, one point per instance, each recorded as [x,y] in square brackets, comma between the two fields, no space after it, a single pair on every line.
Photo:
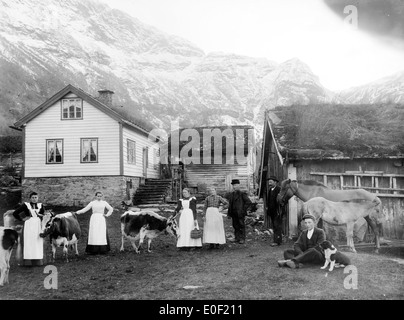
[10,144]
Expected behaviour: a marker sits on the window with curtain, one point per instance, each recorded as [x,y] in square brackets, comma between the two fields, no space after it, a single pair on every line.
[89,150]
[131,147]
[72,108]
[54,151]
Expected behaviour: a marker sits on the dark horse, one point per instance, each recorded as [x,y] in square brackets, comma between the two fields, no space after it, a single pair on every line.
[308,189]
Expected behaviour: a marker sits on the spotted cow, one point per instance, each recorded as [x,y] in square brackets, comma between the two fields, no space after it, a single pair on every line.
[145,224]
[63,230]
[11,222]
[8,237]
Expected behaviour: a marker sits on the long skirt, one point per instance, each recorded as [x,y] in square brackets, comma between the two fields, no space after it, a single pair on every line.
[98,240]
[186,225]
[32,243]
[213,230]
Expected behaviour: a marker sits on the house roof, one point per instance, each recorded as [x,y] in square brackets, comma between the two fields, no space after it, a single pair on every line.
[340,131]
[85,96]
[174,142]
[235,132]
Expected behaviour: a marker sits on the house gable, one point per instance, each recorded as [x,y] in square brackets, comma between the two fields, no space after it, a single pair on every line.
[54,139]
[89,146]
[86,97]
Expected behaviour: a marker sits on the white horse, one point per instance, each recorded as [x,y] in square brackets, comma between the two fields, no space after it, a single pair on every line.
[308,189]
[343,213]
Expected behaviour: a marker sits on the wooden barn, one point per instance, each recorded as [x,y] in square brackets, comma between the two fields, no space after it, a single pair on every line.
[212,156]
[75,144]
[341,146]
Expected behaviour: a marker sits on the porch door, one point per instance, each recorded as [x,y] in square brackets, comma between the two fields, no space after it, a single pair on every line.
[145,160]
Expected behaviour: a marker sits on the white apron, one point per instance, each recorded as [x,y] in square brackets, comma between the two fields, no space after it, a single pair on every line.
[186,225]
[97,231]
[33,243]
[213,230]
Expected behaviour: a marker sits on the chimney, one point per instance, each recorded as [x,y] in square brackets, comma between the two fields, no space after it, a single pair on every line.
[105,96]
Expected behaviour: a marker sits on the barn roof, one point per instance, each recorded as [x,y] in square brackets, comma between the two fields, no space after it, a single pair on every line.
[340,131]
[115,113]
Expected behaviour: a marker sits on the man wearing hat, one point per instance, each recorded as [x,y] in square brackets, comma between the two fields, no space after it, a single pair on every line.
[274,212]
[238,205]
[307,247]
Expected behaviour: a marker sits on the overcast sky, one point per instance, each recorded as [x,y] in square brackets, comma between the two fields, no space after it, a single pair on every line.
[340,54]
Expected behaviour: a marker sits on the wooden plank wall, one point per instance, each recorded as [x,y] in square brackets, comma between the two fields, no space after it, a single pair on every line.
[218,176]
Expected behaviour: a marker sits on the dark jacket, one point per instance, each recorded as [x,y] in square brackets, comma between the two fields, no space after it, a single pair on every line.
[23,212]
[273,208]
[303,243]
[239,203]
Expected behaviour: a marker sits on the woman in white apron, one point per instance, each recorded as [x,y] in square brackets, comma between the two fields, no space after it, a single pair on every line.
[213,229]
[98,240]
[32,244]
[187,221]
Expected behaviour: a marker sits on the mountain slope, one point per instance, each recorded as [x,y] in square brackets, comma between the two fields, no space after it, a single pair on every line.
[158,77]
[387,89]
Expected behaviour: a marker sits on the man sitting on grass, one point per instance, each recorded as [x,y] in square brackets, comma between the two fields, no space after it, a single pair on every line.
[307,247]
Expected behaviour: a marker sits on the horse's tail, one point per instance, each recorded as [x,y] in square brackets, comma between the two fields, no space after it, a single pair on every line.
[377,214]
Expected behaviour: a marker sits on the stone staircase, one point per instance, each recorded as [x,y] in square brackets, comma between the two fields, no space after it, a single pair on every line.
[152,192]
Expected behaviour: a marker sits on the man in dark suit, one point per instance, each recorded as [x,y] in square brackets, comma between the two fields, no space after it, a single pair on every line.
[274,210]
[238,205]
[307,247]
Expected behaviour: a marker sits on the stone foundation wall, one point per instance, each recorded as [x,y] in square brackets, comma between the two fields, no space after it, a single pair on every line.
[79,191]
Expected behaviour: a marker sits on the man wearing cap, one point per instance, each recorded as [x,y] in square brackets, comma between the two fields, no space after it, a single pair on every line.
[307,247]
[238,205]
[274,210]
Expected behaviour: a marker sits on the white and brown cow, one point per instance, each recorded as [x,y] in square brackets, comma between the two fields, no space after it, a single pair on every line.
[63,230]
[145,224]
[10,222]
[8,237]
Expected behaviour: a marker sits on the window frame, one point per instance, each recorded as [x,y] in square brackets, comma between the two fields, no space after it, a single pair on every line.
[128,141]
[68,112]
[47,150]
[82,149]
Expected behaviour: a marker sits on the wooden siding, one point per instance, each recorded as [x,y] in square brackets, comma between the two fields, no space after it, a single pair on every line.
[218,176]
[142,141]
[48,125]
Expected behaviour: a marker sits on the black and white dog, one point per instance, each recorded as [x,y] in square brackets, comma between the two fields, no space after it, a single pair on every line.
[333,257]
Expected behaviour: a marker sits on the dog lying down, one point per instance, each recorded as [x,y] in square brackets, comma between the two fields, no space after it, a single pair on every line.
[333,257]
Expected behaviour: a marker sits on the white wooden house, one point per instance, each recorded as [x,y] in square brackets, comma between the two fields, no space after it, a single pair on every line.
[75,144]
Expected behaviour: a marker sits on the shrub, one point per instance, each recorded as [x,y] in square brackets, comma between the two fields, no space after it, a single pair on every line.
[11,144]
[9,171]
[8,181]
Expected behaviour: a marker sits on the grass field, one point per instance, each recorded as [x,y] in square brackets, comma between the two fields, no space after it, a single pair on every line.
[233,272]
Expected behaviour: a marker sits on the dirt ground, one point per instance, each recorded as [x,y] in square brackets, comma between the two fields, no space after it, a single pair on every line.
[233,272]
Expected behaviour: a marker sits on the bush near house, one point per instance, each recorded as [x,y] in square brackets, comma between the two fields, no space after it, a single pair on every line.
[10,144]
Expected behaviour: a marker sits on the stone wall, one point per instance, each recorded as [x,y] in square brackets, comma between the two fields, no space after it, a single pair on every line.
[79,191]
